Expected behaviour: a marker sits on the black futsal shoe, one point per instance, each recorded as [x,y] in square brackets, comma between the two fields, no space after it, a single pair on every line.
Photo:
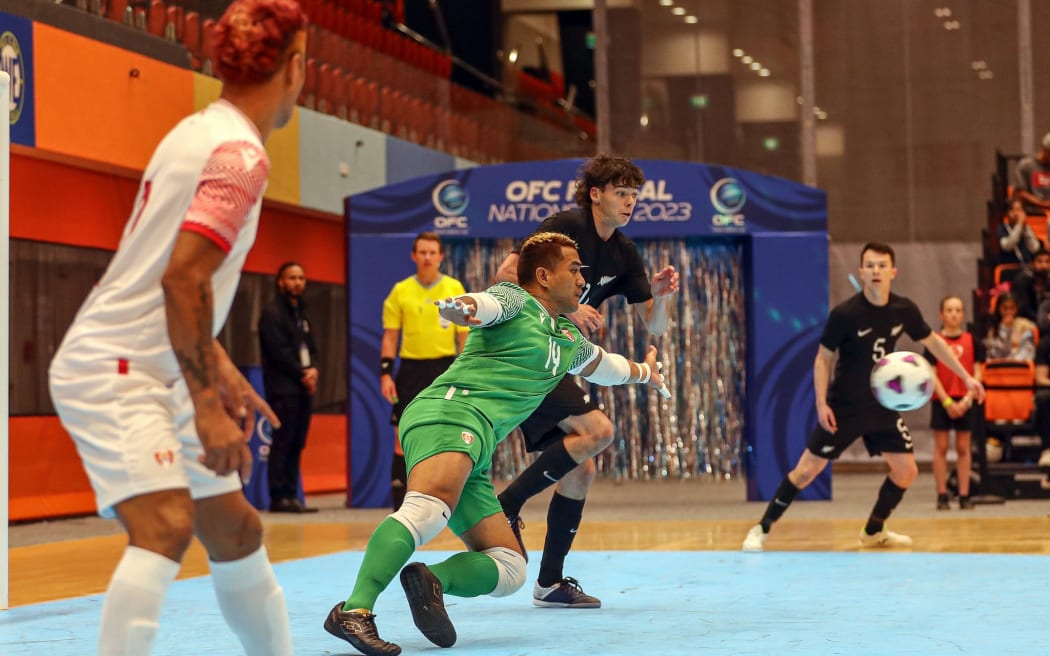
[359,629]
[426,599]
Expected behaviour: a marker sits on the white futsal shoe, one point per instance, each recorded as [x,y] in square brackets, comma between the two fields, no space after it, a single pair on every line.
[884,539]
[755,539]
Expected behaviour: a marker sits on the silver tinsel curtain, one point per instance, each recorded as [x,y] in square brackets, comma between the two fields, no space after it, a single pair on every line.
[698,432]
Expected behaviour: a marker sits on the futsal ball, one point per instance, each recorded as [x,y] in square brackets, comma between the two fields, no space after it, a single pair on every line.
[902,381]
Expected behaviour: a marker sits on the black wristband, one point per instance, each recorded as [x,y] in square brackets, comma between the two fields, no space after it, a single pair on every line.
[386,366]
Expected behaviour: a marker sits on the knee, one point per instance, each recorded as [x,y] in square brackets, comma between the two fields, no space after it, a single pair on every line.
[904,475]
[584,473]
[167,529]
[597,433]
[512,570]
[239,534]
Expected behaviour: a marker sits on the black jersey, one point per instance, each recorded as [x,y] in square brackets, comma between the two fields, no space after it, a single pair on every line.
[862,334]
[611,267]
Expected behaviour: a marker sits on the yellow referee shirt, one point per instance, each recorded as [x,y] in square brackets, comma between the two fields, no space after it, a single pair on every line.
[410,308]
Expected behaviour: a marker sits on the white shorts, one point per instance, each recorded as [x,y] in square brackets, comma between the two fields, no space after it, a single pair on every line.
[135,435]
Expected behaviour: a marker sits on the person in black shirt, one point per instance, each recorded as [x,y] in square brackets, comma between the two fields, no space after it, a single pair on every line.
[862,329]
[568,429]
[289,363]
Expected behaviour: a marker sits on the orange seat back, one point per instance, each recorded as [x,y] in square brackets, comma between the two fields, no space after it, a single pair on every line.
[1009,404]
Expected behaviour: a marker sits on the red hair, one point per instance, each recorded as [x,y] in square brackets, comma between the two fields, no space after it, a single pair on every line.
[252,38]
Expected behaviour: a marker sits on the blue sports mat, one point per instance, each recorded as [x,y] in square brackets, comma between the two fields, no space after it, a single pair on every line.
[653,603]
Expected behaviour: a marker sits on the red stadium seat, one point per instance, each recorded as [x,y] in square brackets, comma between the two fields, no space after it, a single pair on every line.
[191,37]
[173,26]
[325,88]
[308,97]
[208,46]
[157,18]
[116,10]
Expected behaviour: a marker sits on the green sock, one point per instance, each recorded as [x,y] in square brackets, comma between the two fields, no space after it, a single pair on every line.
[467,574]
[389,548]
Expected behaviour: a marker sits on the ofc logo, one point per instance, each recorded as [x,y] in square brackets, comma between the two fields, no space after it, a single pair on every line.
[728,197]
[450,200]
[11,62]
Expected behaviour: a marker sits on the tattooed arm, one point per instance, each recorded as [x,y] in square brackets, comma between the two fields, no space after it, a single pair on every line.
[189,305]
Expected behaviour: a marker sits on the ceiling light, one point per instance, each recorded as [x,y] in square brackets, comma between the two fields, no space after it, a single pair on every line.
[747,59]
[737,52]
[666,3]
[644,120]
[678,11]
[764,72]
[692,19]
[755,66]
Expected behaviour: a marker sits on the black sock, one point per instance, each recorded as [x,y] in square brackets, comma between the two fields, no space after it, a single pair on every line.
[398,481]
[889,496]
[547,470]
[563,518]
[782,498]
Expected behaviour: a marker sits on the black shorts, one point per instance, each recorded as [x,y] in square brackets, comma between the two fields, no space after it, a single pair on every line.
[414,376]
[883,431]
[566,400]
[939,419]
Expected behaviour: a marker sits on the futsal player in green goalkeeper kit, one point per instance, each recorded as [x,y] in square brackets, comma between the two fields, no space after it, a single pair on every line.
[519,348]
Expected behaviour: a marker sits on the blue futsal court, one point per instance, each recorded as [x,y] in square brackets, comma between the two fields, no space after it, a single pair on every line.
[655,602]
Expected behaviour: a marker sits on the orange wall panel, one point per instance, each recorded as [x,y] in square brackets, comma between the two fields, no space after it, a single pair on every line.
[284,235]
[99,109]
[47,479]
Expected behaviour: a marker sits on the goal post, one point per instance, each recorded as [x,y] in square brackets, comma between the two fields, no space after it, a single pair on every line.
[5,295]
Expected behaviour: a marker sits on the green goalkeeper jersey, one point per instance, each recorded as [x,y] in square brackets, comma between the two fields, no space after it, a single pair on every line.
[506,368]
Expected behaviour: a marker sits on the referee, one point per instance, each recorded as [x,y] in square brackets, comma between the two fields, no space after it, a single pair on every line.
[429,343]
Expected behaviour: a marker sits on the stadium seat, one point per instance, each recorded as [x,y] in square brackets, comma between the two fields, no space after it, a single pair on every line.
[1038,225]
[116,10]
[191,37]
[173,25]
[157,18]
[308,97]
[325,88]
[208,46]
[1009,405]
[1006,272]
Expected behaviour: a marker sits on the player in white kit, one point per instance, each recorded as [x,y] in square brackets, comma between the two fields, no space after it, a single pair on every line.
[160,415]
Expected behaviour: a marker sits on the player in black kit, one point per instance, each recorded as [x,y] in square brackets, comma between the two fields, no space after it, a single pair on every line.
[568,428]
[862,329]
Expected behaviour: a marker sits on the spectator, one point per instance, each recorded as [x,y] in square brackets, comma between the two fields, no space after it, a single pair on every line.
[1032,286]
[1017,242]
[955,410]
[1032,179]
[289,360]
[1042,399]
[1011,337]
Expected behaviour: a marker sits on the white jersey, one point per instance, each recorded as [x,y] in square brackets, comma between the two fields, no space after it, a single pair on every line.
[207,175]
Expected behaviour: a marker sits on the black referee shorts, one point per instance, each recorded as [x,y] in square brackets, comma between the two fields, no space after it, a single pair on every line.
[414,376]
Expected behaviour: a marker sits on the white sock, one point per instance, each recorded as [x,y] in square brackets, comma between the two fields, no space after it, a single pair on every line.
[253,604]
[133,601]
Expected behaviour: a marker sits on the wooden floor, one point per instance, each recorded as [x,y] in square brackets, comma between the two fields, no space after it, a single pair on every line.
[69,568]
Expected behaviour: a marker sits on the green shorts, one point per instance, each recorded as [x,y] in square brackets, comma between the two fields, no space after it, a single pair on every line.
[439,426]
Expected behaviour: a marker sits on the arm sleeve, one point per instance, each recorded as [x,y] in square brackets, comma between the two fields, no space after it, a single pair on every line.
[499,303]
[915,325]
[635,285]
[391,310]
[231,183]
[584,355]
[835,330]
